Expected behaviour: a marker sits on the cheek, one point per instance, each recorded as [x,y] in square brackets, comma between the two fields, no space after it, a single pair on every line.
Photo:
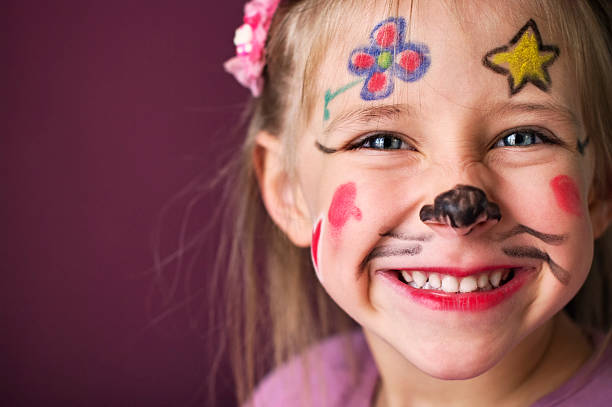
[566,194]
[343,208]
[333,256]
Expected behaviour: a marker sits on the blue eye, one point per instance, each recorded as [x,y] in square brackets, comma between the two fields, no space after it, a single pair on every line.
[382,141]
[521,138]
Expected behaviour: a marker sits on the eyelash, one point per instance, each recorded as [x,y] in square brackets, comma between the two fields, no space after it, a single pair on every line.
[535,137]
[385,137]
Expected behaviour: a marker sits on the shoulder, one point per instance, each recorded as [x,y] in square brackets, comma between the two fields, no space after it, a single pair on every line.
[591,386]
[338,371]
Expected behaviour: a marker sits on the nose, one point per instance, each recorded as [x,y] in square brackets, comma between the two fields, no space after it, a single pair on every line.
[461,209]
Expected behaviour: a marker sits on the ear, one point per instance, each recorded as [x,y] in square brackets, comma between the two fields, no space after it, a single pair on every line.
[283,201]
[600,211]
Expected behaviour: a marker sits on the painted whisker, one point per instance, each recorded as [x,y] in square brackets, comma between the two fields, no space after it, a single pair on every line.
[548,238]
[390,251]
[534,253]
[405,236]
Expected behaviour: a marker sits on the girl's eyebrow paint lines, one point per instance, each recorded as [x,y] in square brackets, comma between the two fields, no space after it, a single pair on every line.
[534,253]
[545,237]
[390,251]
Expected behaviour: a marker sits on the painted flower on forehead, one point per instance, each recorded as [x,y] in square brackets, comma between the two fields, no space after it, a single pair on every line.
[388,56]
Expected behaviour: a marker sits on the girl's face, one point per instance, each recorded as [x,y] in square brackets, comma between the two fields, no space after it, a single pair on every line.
[449,189]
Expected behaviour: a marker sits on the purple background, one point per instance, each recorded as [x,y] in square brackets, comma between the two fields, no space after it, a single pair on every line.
[112,107]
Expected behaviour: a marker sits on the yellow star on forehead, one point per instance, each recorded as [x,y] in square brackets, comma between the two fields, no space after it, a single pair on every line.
[524,60]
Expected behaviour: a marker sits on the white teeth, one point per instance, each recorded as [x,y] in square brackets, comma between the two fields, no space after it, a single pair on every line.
[468,284]
[434,280]
[483,281]
[419,278]
[496,278]
[407,276]
[450,284]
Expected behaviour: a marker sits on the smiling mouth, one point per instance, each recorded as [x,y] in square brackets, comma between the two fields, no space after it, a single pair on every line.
[434,281]
[459,290]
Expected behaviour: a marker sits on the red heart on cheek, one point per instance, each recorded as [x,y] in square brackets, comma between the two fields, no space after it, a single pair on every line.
[343,207]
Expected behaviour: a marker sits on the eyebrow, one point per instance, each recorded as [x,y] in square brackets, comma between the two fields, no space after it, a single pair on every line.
[553,109]
[367,114]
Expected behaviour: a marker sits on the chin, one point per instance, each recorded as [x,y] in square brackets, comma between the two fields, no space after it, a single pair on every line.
[456,370]
[461,361]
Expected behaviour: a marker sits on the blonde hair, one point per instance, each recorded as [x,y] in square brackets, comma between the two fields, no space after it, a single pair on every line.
[274,305]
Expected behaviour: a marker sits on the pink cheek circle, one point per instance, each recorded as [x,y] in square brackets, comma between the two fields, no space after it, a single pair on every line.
[343,207]
[567,194]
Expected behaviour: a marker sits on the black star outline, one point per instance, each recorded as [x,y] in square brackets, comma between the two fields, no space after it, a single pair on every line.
[543,85]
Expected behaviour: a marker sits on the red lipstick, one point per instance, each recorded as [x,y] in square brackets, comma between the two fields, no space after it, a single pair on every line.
[439,300]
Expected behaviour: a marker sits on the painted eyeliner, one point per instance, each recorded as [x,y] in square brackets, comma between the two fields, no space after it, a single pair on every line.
[325,150]
[582,145]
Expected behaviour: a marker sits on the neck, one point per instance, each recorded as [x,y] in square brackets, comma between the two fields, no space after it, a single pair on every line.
[538,365]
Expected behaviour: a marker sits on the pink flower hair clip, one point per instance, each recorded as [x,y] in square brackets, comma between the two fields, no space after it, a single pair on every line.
[250,41]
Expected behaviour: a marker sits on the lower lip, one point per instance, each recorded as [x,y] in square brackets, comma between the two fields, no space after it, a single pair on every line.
[474,301]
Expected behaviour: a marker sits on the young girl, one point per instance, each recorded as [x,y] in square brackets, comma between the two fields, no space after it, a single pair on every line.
[417,203]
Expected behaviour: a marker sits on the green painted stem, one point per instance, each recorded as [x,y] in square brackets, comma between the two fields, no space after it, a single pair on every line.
[329,96]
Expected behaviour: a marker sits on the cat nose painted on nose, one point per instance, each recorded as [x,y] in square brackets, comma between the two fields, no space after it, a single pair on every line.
[461,210]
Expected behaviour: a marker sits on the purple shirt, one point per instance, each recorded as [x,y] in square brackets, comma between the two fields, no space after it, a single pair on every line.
[330,381]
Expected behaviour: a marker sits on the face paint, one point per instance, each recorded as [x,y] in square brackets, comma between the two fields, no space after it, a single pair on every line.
[314,247]
[581,145]
[391,251]
[386,57]
[462,208]
[524,60]
[325,150]
[545,237]
[343,207]
[534,253]
[567,194]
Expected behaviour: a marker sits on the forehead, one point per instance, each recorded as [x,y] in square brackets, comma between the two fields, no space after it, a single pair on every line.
[456,36]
